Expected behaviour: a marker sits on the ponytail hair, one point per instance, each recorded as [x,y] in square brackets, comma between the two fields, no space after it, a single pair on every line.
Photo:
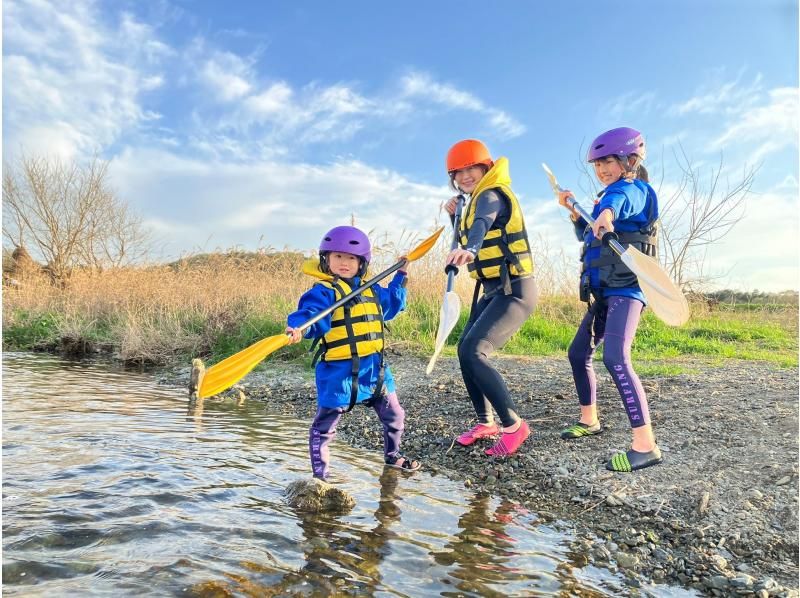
[640,172]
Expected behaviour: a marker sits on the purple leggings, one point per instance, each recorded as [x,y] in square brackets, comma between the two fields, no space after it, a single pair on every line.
[323,430]
[615,325]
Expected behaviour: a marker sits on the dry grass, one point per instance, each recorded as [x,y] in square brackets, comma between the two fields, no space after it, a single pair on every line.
[153,312]
[212,305]
[149,314]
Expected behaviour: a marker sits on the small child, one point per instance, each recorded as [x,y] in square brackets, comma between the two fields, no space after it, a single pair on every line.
[628,206]
[350,367]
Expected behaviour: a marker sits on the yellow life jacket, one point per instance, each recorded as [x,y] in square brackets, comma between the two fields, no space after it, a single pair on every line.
[505,250]
[356,327]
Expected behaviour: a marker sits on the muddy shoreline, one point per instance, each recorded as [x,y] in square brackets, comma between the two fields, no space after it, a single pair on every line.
[720,515]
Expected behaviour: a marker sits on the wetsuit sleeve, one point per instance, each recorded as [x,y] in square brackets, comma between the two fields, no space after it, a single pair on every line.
[624,205]
[313,301]
[393,298]
[489,207]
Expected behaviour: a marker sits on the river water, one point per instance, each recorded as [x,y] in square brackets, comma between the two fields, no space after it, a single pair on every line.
[111,486]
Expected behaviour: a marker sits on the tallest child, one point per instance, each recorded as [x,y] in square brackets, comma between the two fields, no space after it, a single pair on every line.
[628,207]
[494,247]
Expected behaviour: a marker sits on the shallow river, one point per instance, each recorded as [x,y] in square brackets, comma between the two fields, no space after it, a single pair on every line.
[112,487]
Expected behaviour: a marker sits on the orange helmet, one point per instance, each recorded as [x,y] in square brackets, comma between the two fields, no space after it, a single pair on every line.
[468,153]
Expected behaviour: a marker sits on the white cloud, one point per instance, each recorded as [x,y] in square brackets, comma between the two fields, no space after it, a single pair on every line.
[82,73]
[758,254]
[633,102]
[754,121]
[422,86]
[721,98]
[765,128]
[227,75]
[73,83]
[227,203]
[270,103]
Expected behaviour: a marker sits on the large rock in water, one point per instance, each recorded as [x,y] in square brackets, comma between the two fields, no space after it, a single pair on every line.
[314,496]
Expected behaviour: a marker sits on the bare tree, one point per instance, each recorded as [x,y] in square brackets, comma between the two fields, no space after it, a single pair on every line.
[67,216]
[700,210]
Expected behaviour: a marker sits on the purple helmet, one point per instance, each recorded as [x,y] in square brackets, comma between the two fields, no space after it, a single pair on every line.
[347,239]
[621,142]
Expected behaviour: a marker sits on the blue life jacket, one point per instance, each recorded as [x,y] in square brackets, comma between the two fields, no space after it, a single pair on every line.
[635,207]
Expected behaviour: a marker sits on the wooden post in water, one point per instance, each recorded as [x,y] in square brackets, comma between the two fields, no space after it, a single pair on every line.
[196,377]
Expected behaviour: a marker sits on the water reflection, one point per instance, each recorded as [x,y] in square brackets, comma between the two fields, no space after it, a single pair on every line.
[337,555]
[112,486]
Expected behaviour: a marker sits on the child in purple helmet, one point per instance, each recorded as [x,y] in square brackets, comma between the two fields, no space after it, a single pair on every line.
[628,206]
[350,367]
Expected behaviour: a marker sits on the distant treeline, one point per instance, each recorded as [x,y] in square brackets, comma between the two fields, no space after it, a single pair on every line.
[754,297]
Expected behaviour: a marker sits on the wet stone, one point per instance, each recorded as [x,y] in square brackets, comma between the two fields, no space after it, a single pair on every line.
[315,496]
[626,561]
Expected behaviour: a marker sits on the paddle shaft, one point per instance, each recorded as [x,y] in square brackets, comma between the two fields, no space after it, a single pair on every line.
[371,282]
[450,268]
[609,238]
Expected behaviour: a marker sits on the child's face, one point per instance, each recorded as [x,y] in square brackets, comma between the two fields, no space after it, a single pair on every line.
[468,178]
[343,264]
[608,170]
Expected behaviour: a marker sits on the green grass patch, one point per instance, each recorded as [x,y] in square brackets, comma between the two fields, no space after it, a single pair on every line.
[768,335]
[26,330]
[652,369]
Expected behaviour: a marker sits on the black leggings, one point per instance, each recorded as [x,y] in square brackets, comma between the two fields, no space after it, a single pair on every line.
[494,320]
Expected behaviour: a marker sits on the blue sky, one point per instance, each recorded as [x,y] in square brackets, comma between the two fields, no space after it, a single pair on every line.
[265,123]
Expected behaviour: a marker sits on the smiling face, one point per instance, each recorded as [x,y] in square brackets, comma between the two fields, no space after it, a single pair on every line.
[468,178]
[343,264]
[608,170]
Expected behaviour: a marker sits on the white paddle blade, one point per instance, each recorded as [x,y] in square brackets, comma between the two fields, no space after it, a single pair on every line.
[448,317]
[663,296]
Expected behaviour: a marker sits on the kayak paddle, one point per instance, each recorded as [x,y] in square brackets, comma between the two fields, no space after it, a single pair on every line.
[230,370]
[663,296]
[451,305]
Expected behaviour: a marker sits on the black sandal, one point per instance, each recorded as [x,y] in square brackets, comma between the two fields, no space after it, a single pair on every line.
[403,462]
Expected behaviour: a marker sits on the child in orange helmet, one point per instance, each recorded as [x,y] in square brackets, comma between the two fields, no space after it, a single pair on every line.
[493,244]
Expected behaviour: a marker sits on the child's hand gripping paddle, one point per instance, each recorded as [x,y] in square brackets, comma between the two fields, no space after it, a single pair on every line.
[451,305]
[663,296]
[229,371]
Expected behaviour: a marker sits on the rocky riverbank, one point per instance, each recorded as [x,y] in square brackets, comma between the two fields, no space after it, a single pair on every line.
[719,515]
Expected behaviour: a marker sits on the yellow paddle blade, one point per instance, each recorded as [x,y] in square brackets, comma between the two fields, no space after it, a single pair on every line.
[663,296]
[425,246]
[448,318]
[229,371]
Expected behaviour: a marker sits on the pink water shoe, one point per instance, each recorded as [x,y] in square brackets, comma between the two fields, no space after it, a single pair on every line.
[510,442]
[478,432]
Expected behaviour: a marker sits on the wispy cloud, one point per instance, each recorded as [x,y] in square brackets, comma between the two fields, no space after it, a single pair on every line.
[637,102]
[721,98]
[285,203]
[751,119]
[227,76]
[766,128]
[422,86]
[83,77]
[77,80]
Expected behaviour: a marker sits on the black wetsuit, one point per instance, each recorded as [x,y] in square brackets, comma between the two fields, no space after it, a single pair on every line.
[493,320]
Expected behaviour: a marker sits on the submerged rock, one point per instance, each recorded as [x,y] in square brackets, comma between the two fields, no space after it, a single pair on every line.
[314,495]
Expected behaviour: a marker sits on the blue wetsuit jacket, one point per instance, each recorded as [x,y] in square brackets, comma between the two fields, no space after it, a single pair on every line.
[635,206]
[334,378]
